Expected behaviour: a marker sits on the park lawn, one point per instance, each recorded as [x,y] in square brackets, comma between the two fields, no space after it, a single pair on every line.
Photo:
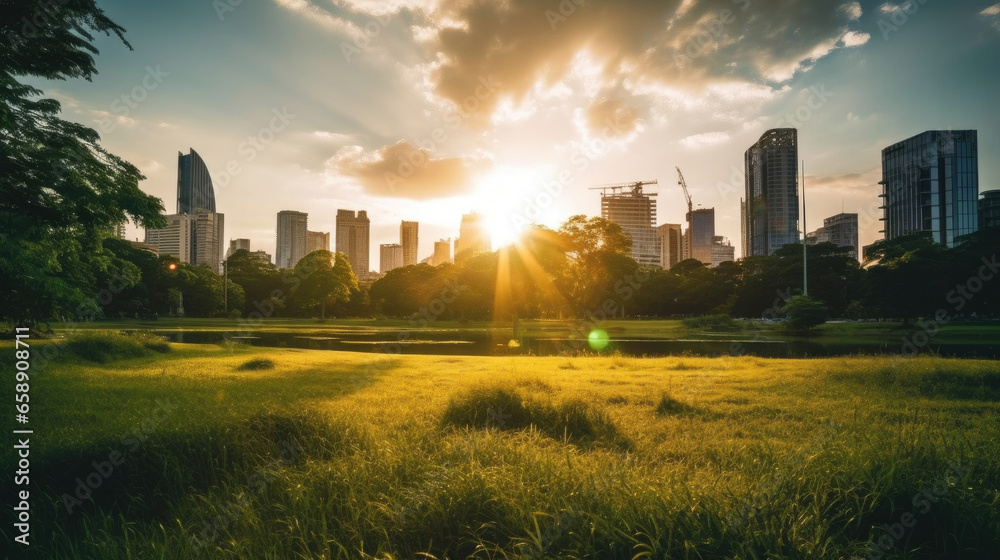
[349,455]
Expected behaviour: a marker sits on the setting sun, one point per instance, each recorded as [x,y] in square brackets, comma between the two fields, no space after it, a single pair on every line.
[506,198]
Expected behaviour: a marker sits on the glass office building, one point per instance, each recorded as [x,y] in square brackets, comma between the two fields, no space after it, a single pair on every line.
[989,210]
[194,185]
[770,209]
[930,182]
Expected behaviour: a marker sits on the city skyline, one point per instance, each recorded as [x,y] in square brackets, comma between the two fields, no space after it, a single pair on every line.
[542,114]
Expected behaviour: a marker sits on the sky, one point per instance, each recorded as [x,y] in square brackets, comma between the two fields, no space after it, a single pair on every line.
[428,109]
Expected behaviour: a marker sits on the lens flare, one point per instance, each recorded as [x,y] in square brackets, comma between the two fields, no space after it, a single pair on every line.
[598,339]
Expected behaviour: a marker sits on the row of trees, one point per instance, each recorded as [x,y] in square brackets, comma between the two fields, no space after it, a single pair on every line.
[581,269]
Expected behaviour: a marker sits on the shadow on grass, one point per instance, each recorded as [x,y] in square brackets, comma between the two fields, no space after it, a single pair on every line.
[503,408]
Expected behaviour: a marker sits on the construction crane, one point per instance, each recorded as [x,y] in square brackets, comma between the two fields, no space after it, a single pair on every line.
[683,184]
[618,188]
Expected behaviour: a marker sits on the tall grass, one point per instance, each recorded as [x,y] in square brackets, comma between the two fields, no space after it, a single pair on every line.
[502,458]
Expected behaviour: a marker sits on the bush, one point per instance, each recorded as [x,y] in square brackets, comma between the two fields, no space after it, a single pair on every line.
[804,313]
[105,346]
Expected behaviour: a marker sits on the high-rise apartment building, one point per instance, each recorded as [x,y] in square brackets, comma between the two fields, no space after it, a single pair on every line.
[194,185]
[841,230]
[207,234]
[473,237]
[291,235]
[173,240]
[989,210]
[236,245]
[442,252]
[930,182]
[390,257]
[770,209]
[670,245]
[635,212]
[353,235]
[317,241]
[410,241]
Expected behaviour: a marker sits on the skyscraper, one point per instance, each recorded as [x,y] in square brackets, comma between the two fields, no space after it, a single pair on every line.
[194,185]
[635,212]
[670,244]
[989,210]
[291,234]
[353,234]
[317,241]
[473,237]
[702,234]
[771,205]
[930,182]
[207,233]
[442,252]
[409,239]
[390,257]
[173,240]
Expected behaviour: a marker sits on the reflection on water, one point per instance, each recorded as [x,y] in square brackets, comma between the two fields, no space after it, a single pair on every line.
[473,343]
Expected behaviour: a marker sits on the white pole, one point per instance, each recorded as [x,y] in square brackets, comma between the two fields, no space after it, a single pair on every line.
[805,276]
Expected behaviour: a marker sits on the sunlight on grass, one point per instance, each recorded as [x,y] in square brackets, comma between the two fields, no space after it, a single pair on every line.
[310,454]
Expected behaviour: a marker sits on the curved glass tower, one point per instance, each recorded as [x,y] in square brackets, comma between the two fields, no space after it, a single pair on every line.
[194,185]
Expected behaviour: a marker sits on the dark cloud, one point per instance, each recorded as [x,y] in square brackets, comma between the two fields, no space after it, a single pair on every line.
[402,170]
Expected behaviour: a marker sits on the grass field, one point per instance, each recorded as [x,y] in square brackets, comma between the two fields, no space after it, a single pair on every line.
[236,452]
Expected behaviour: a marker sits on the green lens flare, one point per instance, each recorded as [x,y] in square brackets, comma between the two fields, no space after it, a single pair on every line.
[598,339]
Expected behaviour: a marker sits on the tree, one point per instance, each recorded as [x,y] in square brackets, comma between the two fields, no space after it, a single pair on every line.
[326,278]
[61,194]
[804,313]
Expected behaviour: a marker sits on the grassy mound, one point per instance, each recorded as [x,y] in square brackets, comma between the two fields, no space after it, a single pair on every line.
[669,406]
[505,408]
[256,364]
[106,346]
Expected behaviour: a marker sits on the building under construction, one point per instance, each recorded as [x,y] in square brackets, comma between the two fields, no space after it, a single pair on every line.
[635,211]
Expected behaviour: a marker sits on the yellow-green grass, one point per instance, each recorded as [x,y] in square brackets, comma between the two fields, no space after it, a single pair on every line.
[348,455]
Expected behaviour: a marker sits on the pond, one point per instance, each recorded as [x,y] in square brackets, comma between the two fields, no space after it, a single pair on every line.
[473,343]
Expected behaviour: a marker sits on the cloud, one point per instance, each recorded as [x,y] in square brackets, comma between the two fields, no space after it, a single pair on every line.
[861,182]
[992,15]
[683,44]
[402,170]
[614,116]
[705,139]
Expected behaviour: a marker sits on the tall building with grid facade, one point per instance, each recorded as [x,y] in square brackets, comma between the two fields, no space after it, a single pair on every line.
[353,239]
[930,182]
[291,234]
[635,212]
[409,239]
[770,205]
